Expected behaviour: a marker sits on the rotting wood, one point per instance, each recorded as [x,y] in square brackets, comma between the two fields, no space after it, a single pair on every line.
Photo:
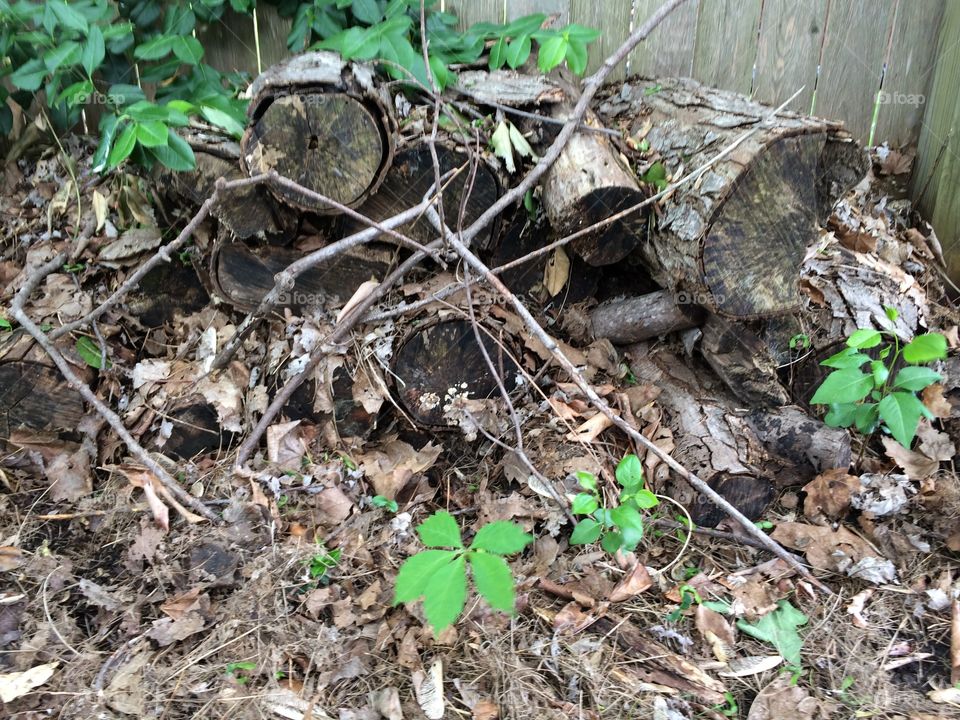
[325,124]
[734,240]
[631,319]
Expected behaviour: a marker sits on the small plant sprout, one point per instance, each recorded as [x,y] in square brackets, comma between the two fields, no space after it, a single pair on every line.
[381,502]
[439,575]
[321,563]
[619,527]
[882,396]
[688,597]
[239,672]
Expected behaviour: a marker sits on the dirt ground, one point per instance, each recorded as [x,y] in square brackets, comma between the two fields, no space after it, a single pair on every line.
[285,609]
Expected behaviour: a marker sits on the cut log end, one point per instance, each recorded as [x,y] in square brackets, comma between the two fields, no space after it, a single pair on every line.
[444,360]
[330,143]
[758,237]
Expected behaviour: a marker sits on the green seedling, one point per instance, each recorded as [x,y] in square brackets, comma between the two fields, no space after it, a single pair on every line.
[619,527]
[883,397]
[439,575]
[381,502]
[240,671]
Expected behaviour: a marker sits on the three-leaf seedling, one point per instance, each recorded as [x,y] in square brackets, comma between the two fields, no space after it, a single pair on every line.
[439,575]
[884,396]
[619,527]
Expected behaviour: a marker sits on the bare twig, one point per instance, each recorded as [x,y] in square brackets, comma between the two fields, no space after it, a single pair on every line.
[45,342]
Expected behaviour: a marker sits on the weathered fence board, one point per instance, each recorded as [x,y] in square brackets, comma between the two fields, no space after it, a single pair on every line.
[727,43]
[791,34]
[560,9]
[612,19]
[936,176]
[230,44]
[855,46]
[909,74]
[669,49]
[474,11]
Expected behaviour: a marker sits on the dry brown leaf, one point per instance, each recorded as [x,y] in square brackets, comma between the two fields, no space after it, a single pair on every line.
[716,631]
[824,548]
[364,291]
[934,444]
[916,465]
[10,558]
[829,493]
[572,619]
[936,403]
[18,684]
[70,476]
[589,431]
[387,703]
[428,687]
[285,446]
[750,665]
[166,631]
[780,699]
[557,272]
[334,506]
[857,604]
[635,582]
[389,466]
[485,710]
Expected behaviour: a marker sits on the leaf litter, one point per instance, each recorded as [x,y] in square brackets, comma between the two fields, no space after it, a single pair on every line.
[124,609]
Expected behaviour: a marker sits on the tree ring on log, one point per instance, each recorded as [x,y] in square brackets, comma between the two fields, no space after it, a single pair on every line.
[37,397]
[748,494]
[765,223]
[412,175]
[328,142]
[442,361]
[242,275]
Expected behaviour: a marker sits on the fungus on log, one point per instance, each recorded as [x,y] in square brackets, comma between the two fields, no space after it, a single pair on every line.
[243,274]
[412,176]
[735,238]
[323,123]
[443,361]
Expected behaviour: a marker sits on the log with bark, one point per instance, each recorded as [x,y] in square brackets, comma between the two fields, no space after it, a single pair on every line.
[734,240]
[744,455]
[324,123]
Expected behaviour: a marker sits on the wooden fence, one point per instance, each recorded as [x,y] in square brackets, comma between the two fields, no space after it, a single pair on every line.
[889,69]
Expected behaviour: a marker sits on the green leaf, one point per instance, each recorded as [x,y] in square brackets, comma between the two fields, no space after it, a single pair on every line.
[441,74]
[67,16]
[843,386]
[493,579]
[152,133]
[518,51]
[656,175]
[498,54]
[89,352]
[925,348]
[584,504]
[123,146]
[366,11]
[611,542]
[900,412]
[526,25]
[630,523]
[502,147]
[222,119]
[581,33]
[916,378]
[63,55]
[124,95]
[446,594]
[93,50]
[630,472]
[30,75]
[880,372]
[841,415]
[176,154]
[108,129]
[501,537]
[846,358]
[440,530]
[416,572]
[551,53]
[155,49]
[577,57]
[779,628]
[187,49]
[864,338]
[588,481]
[891,313]
[587,531]
[866,417]
[645,499]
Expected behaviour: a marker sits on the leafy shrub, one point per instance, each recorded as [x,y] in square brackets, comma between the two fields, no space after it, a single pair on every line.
[618,527]
[883,397]
[105,51]
[439,576]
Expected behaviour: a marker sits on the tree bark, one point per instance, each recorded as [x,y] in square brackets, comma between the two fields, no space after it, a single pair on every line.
[734,239]
[632,319]
[323,123]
